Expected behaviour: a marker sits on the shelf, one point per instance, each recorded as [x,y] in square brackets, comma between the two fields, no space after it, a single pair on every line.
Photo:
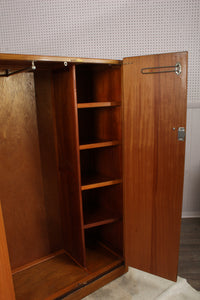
[98,104]
[98,218]
[98,144]
[92,182]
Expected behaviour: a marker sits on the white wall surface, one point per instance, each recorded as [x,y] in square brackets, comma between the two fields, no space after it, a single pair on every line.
[115,29]
[191,199]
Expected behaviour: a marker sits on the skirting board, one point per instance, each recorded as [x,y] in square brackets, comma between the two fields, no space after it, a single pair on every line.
[191,214]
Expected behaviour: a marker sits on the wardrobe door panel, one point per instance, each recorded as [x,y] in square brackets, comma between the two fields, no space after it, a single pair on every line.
[154,109]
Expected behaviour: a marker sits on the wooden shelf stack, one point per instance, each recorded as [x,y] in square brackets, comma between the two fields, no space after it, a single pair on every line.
[93,162]
[99,121]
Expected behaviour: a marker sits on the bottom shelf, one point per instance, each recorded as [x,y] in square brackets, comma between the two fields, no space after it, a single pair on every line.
[59,274]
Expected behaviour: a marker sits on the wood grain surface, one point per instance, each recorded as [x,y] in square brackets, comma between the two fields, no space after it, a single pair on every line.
[12,58]
[153,162]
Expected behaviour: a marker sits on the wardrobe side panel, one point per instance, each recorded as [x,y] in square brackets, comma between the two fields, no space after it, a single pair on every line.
[6,282]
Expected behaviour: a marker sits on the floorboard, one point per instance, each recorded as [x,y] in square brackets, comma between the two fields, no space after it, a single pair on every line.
[189,255]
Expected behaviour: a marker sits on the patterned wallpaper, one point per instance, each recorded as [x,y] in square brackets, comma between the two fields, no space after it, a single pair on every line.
[104,29]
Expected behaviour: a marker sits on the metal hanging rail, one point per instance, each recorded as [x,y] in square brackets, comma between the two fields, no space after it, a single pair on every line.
[28,69]
[177,69]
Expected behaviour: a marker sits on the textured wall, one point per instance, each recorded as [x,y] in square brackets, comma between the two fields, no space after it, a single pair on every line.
[113,29]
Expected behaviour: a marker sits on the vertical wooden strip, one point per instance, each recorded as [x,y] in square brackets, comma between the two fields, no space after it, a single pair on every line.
[138,140]
[65,104]
[6,282]
[171,107]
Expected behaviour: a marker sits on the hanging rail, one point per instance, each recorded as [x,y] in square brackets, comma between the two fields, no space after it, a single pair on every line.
[177,69]
[7,73]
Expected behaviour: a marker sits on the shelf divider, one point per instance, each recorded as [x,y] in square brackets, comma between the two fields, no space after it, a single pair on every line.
[67,139]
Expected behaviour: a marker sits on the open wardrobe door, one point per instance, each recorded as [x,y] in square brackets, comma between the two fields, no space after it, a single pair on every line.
[155,102]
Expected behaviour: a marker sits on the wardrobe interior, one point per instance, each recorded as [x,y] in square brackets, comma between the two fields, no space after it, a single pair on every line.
[61,172]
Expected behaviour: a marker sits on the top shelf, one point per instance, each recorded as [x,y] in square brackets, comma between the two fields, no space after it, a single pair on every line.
[98,104]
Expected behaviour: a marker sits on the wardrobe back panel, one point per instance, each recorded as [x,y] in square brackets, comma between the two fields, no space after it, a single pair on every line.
[99,124]
[21,184]
[47,142]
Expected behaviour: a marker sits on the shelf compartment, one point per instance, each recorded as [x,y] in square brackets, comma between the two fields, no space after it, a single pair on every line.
[103,216]
[98,82]
[95,237]
[100,257]
[98,104]
[98,144]
[99,124]
[100,167]
[102,206]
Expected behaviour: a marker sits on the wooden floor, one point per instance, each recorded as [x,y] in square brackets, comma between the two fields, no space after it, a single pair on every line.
[189,256]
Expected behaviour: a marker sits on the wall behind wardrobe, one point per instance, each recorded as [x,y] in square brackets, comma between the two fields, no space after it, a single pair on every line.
[115,29]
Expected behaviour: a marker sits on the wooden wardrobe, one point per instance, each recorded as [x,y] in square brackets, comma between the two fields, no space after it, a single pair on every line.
[91,171]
